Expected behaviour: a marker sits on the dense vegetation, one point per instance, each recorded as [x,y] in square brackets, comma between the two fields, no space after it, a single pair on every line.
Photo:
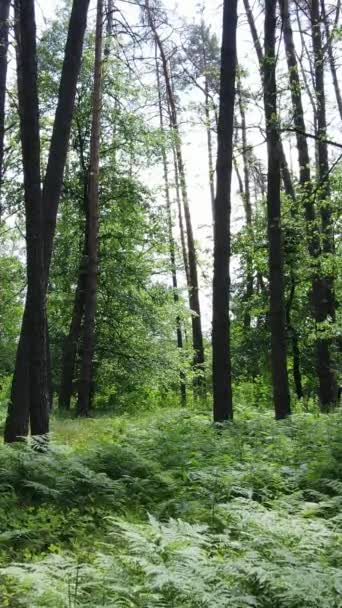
[161,510]
[161,451]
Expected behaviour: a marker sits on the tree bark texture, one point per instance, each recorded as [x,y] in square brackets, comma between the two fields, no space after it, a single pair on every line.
[30,140]
[18,411]
[276,274]
[222,378]
[88,342]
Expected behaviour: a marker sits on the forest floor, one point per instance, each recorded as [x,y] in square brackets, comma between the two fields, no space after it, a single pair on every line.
[164,510]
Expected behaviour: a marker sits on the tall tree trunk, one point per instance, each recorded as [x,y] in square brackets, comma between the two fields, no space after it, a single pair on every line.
[331,58]
[207,113]
[246,200]
[4,15]
[209,145]
[88,343]
[180,220]
[288,187]
[327,310]
[318,282]
[286,176]
[71,343]
[179,333]
[222,378]
[30,139]
[197,336]
[276,277]
[17,422]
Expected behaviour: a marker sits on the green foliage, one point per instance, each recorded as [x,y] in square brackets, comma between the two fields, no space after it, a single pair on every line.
[171,511]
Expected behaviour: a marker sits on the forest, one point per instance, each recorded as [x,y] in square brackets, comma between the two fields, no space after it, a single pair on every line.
[170,318]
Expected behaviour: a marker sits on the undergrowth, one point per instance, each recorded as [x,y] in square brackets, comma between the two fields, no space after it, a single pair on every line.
[167,511]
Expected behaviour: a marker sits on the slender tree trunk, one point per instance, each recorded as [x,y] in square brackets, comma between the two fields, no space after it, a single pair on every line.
[88,344]
[331,58]
[179,333]
[277,303]
[246,200]
[210,146]
[17,422]
[36,293]
[222,378]
[4,15]
[287,181]
[286,175]
[180,220]
[197,336]
[71,343]
[207,113]
[327,309]
[318,282]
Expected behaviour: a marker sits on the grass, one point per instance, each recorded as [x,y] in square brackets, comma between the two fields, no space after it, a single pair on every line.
[164,510]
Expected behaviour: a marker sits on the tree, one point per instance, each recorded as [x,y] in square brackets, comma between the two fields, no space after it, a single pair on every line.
[197,336]
[276,272]
[90,292]
[17,422]
[330,52]
[203,55]
[327,309]
[222,380]
[179,333]
[4,15]
[30,140]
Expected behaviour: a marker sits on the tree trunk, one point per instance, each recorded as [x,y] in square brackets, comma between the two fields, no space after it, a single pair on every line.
[331,59]
[246,200]
[18,410]
[36,293]
[286,176]
[180,221]
[72,341]
[4,14]
[318,282]
[210,146]
[88,343]
[179,333]
[276,277]
[222,379]
[197,336]
[327,307]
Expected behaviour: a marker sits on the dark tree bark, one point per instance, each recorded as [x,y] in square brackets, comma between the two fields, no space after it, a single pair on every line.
[30,140]
[17,422]
[222,379]
[327,308]
[197,336]
[179,333]
[318,282]
[286,176]
[289,190]
[331,58]
[277,303]
[71,343]
[88,342]
[4,15]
